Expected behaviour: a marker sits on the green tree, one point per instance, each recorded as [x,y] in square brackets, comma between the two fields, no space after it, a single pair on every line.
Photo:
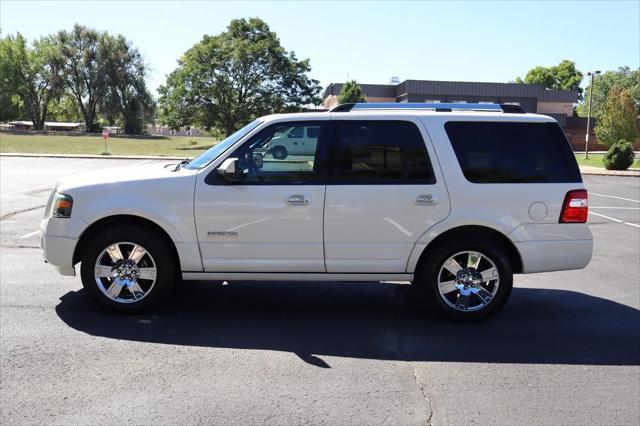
[83,54]
[351,92]
[64,108]
[126,96]
[618,119]
[623,78]
[563,76]
[11,106]
[32,74]
[227,79]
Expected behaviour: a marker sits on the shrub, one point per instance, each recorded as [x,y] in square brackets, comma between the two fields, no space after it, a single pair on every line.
[620,156]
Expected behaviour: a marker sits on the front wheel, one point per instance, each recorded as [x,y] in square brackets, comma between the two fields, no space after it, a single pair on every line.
[279,152]
[128,268]
[467,281]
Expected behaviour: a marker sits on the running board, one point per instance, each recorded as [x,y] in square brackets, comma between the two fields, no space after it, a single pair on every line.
[278,276]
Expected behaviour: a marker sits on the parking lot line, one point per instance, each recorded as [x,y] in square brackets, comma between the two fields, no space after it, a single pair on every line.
[30,234]
[615,220]
[617,208]
[24,191]
[612,196]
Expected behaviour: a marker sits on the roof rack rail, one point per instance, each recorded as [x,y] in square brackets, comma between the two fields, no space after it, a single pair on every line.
[438,107]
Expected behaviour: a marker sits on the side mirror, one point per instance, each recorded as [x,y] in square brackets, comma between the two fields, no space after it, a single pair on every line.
[228,170]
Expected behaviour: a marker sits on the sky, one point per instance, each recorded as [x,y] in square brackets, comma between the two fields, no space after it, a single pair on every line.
[367,41]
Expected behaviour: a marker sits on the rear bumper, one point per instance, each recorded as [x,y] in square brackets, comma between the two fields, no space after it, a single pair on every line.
[553,246]
[546,256]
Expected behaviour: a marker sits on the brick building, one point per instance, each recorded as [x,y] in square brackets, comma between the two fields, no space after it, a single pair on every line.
[531,97]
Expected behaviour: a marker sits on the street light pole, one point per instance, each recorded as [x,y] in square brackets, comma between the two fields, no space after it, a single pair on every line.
[586,137]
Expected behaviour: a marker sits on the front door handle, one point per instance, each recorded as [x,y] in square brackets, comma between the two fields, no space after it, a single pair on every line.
[297,200]
[425,200]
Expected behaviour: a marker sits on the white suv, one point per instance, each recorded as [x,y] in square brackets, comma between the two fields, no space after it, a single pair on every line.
[454,198]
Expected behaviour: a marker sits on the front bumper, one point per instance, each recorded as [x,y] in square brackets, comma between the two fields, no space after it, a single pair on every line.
[58,239]
[58,252]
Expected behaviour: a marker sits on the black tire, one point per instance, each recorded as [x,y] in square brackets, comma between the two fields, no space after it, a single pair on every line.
[166,264]
[428,271]
[279,152]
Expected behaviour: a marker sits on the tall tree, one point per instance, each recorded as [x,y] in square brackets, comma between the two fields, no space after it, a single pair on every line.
[618,119]
[126,94]
[623,78]
[351,92]
[225,80]
[11,106]
[85,72]
[563,76]
[34,74]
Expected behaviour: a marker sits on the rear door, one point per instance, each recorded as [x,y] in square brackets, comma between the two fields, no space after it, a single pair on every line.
[383,192]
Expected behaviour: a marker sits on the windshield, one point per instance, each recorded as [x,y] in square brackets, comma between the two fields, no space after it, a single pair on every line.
[206,157]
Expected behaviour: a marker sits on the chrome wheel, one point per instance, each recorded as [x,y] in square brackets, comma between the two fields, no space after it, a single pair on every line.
[125,272]
[468,281]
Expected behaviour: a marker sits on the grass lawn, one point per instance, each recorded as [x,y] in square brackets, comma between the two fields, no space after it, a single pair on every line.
[175,146]
[595,160]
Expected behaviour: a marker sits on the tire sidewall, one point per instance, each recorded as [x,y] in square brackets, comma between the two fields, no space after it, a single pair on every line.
[428,278]
[280,152]
[166,265]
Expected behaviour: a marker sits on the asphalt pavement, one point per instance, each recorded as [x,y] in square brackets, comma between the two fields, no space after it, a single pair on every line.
[565,350]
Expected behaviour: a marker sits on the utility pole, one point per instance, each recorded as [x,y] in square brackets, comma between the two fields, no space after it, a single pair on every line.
[586,137]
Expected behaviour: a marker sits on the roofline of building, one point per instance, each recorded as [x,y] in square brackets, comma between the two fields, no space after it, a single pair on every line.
[446,88]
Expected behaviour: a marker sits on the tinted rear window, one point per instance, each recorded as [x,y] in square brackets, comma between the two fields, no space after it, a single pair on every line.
[493,152]
[382,152]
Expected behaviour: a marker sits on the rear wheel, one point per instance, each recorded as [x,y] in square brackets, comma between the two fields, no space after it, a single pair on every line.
[128,268]
[467,281]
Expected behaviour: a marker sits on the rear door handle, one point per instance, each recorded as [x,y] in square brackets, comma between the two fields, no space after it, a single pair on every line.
[425,200]
[297,200]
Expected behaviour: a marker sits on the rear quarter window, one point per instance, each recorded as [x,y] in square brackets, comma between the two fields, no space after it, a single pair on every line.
[499,152]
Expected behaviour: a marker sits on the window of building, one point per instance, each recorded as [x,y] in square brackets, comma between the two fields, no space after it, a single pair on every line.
[366,152]
[494,152]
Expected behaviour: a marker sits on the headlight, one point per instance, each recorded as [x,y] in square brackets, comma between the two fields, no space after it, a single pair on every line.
[62,205]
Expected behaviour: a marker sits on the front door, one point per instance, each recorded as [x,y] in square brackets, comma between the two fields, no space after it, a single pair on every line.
[382,195]
[270,219]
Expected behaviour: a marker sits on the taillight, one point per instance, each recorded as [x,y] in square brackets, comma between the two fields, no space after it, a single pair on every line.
[575,208]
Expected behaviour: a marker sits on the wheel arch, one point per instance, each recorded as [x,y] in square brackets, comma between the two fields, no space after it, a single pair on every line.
[476,231]
[120,220]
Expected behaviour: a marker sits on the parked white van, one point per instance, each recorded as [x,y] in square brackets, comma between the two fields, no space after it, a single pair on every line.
[455,198]
[295,140]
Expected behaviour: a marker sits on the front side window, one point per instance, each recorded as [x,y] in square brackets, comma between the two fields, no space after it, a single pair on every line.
[280,154]
[379,152]
[500,152]
[213,152]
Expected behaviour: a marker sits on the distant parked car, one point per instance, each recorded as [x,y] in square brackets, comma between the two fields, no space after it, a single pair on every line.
[452,198]
[294,140]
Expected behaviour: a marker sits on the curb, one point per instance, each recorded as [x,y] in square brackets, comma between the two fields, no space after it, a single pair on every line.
[102,157]
[596,171]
